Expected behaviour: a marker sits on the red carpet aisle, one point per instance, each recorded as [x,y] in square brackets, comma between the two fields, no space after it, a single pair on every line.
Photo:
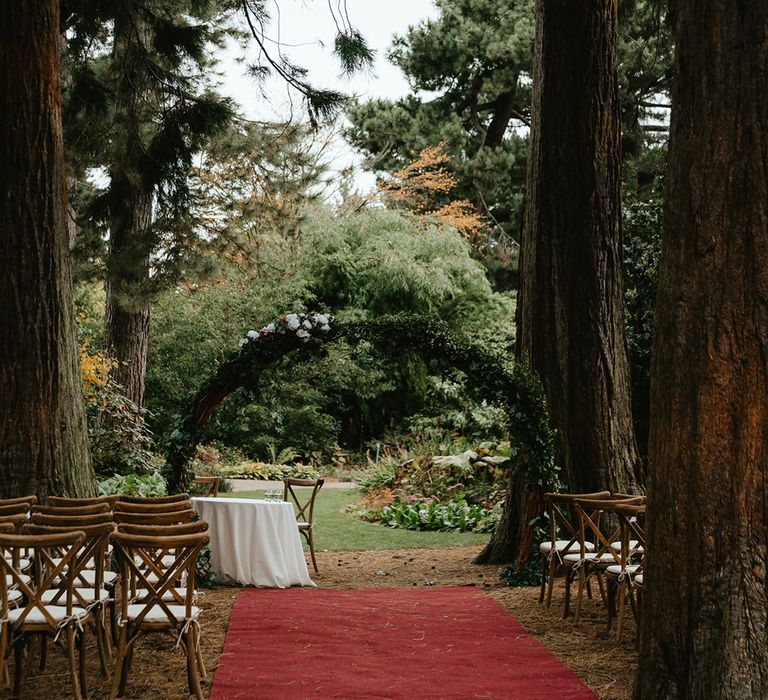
[384,643]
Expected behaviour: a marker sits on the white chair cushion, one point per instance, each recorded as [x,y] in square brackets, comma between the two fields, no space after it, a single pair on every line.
[58,612]
[562,546]
[633,546]
[167,596]
[589,556]
[24,564]
[88,594]
[11,581]
[89,576]
[616,569]
[167,560]
[157,614]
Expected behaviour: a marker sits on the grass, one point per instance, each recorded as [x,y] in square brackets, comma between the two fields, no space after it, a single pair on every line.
[338,532]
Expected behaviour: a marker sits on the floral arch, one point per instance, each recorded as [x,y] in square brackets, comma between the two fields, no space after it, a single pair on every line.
[487,375]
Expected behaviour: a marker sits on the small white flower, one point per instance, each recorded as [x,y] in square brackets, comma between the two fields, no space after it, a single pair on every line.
[243,341]
[252,335]
[321,319]
[301,333]
[307,324]
[325,327]
[269,328]
[293,321]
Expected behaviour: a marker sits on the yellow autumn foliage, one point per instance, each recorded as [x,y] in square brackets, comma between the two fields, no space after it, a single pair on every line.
[95,368]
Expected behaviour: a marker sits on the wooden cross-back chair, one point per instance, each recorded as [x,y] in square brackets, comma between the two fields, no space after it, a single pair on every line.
[621,578]
[88,580]
[14,509]
[162,607]
[305,508]
[563,538]
[29,500]
[154,499]
[171,507]
[207,485]
[72,510]
[72,521]
[177,517]
[64,502]
[593,563]
[54,563]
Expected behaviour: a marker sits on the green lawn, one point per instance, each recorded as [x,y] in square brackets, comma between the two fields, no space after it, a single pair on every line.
[338,532]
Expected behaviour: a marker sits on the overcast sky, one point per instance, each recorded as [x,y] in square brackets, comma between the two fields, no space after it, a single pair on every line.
[307,30]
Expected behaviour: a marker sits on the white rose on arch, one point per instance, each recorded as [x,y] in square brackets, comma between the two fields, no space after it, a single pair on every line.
[301,333]
[293,321]
[252,335]
[243,341]
[321,319]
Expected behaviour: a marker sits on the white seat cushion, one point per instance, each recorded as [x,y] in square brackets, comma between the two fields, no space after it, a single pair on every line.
[167,596]
[633,546]
[58,612]
[616,569]
[562,546]
[89,576]
[157,614]
[23,563]
[167,560]
[589,556]
[88,594]
[11,581]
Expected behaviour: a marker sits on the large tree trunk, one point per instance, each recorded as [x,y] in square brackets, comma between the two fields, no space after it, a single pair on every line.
[126,318]
[43,433]
[571,322]
[571,314]
[705,612]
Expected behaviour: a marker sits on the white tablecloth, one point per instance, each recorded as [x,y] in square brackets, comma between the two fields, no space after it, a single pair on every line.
[253,542]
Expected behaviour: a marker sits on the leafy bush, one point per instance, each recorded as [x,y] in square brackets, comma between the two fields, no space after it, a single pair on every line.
[428,514]
[260,471]
[133,485]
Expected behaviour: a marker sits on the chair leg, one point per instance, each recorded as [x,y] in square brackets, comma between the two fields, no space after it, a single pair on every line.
[18,670]
[553,567]
[580,594]
[192,675]
[83,675]
[117,678]
[199,654]
[622,596]
[568,582]
[73,668]
[101,639]
[43,651]
[311,541]
[543,574]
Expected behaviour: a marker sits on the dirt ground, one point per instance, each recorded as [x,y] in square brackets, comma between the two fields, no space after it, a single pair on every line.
[605,664]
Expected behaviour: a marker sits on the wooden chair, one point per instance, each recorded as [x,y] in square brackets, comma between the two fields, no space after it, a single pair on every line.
[29,500]
[90,590]
[15,521]
[209,485]
[588,564]
[63,502]
[305,512]
[14,509]
[153,614]
[74,511]
[154,499]
[72,521]
[150,508]
[564,538]
[37,617]
[621,578]
[178,517]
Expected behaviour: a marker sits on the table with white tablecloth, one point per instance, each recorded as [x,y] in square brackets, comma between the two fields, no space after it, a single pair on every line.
[254,542]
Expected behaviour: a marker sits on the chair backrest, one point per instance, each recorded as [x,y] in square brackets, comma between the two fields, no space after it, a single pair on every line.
[209,485]
[121,507]
[154,499]
[563,520]
[64,502]
[178,517]
[74,511]
[589,511]
[185,529]
[92,552]
[29,500]
[73,521]
[54,559]
[14,509]
[305,508]
[143,566]
[632,529]
[14,521]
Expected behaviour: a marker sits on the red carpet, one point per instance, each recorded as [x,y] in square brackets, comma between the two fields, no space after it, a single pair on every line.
[384,643]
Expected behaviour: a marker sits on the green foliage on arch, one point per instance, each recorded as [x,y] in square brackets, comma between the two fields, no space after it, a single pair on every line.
[514,388]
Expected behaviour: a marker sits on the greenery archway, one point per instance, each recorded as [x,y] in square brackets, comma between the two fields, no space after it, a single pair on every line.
[512,386]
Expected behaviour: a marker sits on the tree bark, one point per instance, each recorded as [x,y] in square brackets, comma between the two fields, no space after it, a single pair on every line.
[43,433]
[571,321]
[127,313]
[705,607]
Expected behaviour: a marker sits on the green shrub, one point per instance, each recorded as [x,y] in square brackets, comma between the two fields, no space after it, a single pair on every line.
[260,471]
[428,514]
[133,485]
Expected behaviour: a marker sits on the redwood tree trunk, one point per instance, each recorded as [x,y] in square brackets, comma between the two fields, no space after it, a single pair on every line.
[43,433]
[705,608]
[571,321]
